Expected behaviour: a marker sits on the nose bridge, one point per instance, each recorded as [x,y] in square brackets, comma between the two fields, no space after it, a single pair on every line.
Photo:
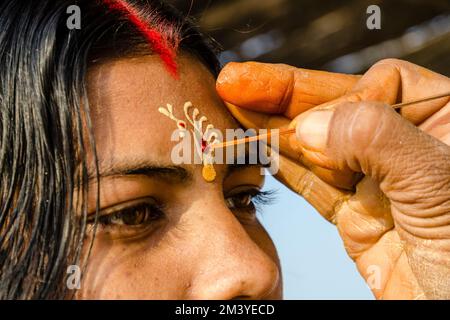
[230,264]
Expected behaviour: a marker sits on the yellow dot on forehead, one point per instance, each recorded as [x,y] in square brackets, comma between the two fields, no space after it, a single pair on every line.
[209,173]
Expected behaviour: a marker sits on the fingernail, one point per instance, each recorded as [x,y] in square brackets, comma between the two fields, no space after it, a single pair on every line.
[312,129]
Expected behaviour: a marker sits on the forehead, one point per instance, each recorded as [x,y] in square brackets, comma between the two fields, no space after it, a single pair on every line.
[124,98]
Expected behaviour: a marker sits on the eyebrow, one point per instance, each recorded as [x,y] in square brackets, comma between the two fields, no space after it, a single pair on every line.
[171,173]
[232,168]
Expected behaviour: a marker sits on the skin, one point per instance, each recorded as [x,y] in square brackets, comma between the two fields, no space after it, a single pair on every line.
[383,178]
[203,247]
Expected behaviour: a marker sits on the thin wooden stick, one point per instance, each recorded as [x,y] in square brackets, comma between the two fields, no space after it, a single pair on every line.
[403,104]
[250,139]
[289,131]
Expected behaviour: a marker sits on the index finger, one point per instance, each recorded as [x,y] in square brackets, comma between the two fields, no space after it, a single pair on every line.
[279,88]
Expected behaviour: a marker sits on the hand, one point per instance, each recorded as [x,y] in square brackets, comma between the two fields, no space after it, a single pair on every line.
[385,182]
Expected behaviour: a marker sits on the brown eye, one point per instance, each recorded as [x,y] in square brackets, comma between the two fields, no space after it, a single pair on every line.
[130,220]
[248,200]
[132,216]
[137,215]
[239,201]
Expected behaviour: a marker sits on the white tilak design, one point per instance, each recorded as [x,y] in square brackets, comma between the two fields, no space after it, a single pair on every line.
[200,135]
[169,113]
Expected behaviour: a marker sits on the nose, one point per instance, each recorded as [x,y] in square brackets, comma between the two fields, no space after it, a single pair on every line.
[231,265]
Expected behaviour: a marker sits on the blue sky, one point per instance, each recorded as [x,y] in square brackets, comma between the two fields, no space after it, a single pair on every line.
[313,259]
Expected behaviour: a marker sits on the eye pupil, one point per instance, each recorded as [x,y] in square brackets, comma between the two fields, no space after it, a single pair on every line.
[240,201]
[134,217]
[246,200]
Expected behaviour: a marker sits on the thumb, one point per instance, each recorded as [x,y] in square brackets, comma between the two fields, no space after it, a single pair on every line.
[412,168]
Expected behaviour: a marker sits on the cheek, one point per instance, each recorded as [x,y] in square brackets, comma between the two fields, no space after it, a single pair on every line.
[131,271]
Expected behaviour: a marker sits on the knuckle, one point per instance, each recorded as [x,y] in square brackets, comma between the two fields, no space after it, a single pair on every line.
[391,61]
[365,123]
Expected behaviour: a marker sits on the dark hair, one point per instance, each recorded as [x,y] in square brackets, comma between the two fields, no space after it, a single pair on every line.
[43,109]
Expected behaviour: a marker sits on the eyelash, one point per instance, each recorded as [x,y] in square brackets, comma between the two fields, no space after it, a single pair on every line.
[151,211]
[257,201]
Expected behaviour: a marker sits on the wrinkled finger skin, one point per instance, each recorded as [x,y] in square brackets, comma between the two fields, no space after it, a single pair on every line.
[410,168]
[271,95]
[394,222]
[280,89]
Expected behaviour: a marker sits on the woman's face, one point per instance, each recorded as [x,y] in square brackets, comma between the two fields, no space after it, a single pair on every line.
[164,232]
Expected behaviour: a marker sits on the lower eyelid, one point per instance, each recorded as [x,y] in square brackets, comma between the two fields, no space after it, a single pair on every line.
[130,233]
